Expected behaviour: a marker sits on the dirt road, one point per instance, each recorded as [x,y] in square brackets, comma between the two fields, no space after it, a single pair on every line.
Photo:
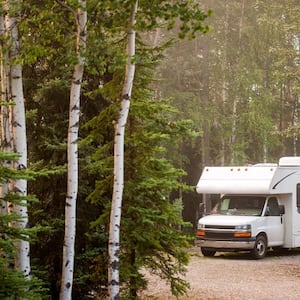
[233,276]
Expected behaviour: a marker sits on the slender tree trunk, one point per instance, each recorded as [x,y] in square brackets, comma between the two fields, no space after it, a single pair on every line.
[235,99]
[295,123]
[72,183]
[18,133]
[4,109]
[233,130]
[133,281]
[115,216]
[224,101]
[224,94]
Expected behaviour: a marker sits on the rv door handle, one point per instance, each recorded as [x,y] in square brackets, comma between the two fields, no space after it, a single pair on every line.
[281,219]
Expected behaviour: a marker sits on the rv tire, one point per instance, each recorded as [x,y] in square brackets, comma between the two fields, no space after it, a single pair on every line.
[208,252]
[260,249]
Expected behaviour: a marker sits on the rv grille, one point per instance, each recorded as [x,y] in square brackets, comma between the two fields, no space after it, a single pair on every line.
[218,227]
[219,235]
[216,232]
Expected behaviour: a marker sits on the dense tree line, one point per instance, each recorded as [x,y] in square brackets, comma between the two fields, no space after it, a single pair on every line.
[239,84]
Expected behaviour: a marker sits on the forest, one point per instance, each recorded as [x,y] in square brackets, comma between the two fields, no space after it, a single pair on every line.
[109,111]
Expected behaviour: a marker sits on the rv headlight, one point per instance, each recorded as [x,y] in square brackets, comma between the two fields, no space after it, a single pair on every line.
[243,227]
[201,230]
[201,226]
[242,231]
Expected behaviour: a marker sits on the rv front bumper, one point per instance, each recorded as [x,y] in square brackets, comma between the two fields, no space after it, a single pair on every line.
[226,245]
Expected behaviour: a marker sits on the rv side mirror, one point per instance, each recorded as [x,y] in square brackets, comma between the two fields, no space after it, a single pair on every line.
[281,209]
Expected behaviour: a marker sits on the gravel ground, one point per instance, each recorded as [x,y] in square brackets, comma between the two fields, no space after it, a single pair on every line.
[236,276]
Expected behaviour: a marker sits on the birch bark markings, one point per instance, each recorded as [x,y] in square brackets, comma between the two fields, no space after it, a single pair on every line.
[116,209]
[72,181]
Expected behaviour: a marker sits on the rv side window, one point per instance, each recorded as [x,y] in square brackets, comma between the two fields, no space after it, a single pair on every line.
[298,195]
[273,207]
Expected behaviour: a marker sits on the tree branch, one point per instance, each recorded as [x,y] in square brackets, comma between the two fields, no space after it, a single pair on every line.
[63,4]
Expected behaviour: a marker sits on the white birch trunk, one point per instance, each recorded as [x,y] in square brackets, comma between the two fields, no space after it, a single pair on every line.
[72,181]
[18,130]
[116,207]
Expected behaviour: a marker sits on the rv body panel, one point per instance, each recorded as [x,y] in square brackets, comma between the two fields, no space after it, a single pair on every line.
[235,180]
[245,180]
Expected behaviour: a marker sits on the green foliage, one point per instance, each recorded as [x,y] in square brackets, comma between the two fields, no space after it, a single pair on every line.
[13,284]
[189,14]
[151,222]
[47,148]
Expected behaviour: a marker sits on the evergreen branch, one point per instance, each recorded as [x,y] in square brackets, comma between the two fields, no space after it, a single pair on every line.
[63,4]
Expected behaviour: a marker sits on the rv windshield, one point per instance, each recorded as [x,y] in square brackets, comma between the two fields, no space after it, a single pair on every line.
[240,205]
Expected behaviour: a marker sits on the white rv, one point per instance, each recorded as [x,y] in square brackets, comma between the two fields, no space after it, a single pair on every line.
[259,208]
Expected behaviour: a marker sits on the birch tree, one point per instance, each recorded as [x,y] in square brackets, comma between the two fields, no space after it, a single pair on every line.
[115,217]
[18,129]
[72,180]
[16,279]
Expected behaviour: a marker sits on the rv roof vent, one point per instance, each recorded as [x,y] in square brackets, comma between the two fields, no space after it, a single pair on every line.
[289,161]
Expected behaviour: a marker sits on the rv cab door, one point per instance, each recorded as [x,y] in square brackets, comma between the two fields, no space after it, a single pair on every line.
[274,222]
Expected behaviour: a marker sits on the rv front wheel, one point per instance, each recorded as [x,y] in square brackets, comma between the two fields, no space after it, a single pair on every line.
[207,252]
[260,249]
